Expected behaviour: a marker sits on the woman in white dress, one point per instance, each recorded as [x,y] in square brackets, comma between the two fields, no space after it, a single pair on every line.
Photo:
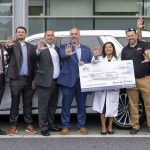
[106,101]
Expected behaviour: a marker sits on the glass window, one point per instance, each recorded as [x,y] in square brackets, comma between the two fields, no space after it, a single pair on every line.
[36,7]
[69,7]
[115,23]
[67,24]
[147,8]
[5,28]
[36,26]
[123,41]
[6,8]
[109,7]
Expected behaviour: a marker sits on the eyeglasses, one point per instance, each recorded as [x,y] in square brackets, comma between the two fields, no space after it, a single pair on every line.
[130,29]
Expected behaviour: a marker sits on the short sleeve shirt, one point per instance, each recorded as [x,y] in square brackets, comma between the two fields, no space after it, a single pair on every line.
[136,54]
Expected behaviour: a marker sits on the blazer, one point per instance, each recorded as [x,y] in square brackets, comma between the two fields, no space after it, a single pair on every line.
[1,51]
[44,73]
[16,58]
[69,72]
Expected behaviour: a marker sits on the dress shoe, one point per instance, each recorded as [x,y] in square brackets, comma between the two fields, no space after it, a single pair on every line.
[134,131]
[12,130]
[31,129]
[65,131]
[103,133]
[55,129]
[45,133]
[111,132]
[2,132]
[84,131]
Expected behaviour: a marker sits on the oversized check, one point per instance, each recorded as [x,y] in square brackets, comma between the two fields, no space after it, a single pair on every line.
[107,75]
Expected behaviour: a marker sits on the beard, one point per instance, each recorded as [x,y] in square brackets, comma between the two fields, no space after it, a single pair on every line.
[21,38]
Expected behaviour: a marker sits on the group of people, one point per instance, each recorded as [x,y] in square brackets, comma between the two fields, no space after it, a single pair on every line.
[46,67]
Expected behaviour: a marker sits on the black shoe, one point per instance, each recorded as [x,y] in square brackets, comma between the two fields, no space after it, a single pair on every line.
[45,133]
[103,133]
[134,131]
[2,132]
[149,129]
[55,129]
[111,132]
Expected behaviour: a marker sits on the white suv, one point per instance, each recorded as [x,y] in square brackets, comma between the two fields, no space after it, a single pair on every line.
[90,38]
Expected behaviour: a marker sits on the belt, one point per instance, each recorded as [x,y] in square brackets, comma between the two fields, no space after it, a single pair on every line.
[55,80]
[142,76]
[23,77]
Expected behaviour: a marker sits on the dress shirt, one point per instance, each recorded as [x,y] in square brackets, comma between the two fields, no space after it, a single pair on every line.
[78,51]
[24,67]
[55,60]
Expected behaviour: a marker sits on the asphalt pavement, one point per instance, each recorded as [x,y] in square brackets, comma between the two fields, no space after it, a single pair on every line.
[121,140]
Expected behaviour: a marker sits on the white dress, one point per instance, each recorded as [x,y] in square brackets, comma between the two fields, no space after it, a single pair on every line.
[108,97]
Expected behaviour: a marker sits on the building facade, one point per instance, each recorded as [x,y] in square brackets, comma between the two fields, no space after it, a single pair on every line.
[38,15]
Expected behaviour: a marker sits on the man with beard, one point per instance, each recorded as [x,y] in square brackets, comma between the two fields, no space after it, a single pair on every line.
[46,82]
[138,51]
[72,55]
[21,69]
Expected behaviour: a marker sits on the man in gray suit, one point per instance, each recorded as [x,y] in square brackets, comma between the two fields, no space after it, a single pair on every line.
[21,69]
[45,80]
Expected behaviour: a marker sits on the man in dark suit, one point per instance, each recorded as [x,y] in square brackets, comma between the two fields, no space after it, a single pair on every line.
[72,55]
[45,80]
[21,69]
[2,80]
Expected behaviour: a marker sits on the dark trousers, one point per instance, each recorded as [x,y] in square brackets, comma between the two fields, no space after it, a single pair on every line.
[2,86]
[47,104]
[67,98]
[21,87]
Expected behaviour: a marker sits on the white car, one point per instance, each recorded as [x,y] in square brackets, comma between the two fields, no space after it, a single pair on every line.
[90,38]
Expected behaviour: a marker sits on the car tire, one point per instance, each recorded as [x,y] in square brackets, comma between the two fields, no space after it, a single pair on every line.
[122,121]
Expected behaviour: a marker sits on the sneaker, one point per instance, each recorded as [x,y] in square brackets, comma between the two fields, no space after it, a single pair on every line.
[134,131]
[12,130]
[84,131]
[31,129]
[65,131]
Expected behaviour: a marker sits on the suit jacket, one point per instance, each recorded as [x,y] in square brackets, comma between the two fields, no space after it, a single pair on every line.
[1,51]
[44,73]
[16,58]
[70,71]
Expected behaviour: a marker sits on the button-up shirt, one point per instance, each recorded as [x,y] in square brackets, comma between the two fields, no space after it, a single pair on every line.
[24,67]
[55,60]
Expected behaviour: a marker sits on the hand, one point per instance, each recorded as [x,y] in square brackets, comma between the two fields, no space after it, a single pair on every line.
[10,41]
[146,59]
[41,46]
[146,56]
[68,50]
[96,52]
[33,85]
[81,63]
[140,24]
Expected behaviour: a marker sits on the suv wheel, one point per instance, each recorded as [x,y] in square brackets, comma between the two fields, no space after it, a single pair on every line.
[123,119]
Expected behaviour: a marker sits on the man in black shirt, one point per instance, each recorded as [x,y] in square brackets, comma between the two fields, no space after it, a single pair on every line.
[137,51]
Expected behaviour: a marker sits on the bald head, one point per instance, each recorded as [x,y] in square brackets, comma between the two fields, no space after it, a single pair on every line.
[75,36]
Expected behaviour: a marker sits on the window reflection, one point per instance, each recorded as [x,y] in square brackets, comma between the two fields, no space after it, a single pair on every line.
[6,8]
[5,28]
